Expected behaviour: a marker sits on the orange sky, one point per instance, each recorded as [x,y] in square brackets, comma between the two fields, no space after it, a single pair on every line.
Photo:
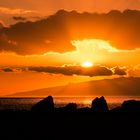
[12,82]
[26,81]
[96,51]
[47,7]
[65,40]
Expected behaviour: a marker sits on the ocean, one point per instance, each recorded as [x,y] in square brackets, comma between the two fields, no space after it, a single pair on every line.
[27,103]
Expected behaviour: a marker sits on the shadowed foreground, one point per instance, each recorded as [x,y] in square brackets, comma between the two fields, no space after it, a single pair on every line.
[69,122]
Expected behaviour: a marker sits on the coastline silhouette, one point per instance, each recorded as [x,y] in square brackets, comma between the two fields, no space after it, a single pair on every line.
[45,120]
[98,105]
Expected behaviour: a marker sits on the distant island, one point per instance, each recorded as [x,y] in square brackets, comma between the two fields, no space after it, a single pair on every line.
[123,86]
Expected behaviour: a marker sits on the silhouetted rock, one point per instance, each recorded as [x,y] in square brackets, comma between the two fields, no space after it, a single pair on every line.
[46,104]
[69,108]
[117,109]
[99,105]
[131,106]
[85,110]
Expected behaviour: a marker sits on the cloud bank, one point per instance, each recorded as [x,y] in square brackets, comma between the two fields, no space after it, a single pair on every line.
[78,70]
[19,18]
[55,33]
[7,70]
[70,70]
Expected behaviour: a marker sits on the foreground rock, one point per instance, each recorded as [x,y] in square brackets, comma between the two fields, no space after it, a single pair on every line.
[131,106]
[69,108]
[46,105]
[99,105]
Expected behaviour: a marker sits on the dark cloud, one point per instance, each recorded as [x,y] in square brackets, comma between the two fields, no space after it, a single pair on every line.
[119,71]
[14,69]
[7,70]
[71,70]
[19,18]
[76,70]
[54,33]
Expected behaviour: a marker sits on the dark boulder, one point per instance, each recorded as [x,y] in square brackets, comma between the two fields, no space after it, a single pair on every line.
[117,109]
[46,105]
[131,106]
[85,110]
[99,105]
[69,108]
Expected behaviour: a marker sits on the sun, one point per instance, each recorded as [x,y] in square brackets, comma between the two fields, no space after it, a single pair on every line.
[87,64]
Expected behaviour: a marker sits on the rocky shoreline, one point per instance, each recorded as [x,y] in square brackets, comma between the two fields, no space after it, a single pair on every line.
[70,122]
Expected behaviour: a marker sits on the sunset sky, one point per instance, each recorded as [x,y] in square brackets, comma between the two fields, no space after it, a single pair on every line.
[49,43]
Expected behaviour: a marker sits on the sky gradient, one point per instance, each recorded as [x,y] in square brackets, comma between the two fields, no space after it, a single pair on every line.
[47,7]
[38,50]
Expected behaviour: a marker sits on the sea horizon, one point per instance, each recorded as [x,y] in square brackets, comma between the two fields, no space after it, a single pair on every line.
[20,103]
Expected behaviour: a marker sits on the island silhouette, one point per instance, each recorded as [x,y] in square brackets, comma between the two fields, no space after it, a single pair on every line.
[128,86]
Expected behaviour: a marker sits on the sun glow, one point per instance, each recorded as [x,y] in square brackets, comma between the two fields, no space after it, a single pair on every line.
[87,64]
[93,50]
